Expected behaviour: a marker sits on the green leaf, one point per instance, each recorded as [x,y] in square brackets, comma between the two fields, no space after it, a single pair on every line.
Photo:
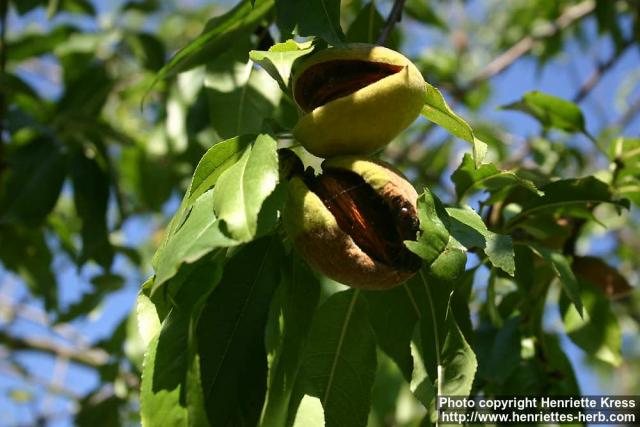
[147,318]
[199,235]
[91,184]
[551,111]
[562,267]
[311,18]
[597,331]
[446,355]
[445,257]
[242,189]
[299,293]
[231,334]
[159,405]
[486,176]
[310,413]
[216,37]
[421,385]
[279,59]
[567,193]
[458,360]
[434,235]
[35,173]
[438,111]
[339,363]
[216,160]
[165,379]
[468,228]
[451,262]
[194,229]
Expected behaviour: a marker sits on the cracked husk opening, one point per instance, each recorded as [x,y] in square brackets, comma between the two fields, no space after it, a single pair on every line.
[377,224]
[324,82]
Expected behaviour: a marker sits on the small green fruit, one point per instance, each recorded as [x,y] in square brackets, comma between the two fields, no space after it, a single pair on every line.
[350,222]
[355,99]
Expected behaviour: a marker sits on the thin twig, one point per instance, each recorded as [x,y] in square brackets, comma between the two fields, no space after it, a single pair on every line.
[505,60]
[601,70]
[394,16]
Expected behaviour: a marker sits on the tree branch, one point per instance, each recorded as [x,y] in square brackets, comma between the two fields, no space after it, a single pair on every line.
[600,71]
[91,357]
[505,60]
[4,5]
[394,16]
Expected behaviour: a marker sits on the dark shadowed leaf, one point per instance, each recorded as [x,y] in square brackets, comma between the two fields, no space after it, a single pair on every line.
[167,392]
[339,363]
[296,302]
[597,331]
[231,335]
[396,315]
[35,173]
[562,267]
[24,251]
[87,87]
[367,26]
[91,197]
[97,409]
[311,18]
[499,350]
[148,49]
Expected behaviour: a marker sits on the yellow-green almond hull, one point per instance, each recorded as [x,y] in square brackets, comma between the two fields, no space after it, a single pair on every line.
[368,119]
